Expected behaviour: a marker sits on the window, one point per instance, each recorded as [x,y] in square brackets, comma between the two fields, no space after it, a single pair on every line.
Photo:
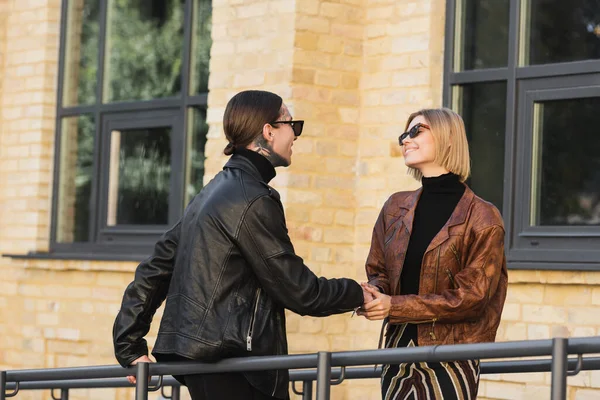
[525,76]
[131,122]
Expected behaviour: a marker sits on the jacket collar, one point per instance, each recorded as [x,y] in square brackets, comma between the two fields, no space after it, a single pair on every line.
[238,161]
[243,163]
[458,216]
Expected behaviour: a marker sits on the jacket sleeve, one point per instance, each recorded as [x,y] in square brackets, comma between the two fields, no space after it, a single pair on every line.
[375,266]
[265,243]
[142,298]
[477,283]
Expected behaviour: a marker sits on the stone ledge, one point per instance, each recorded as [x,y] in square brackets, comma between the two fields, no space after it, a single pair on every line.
[69,264]
[554,277]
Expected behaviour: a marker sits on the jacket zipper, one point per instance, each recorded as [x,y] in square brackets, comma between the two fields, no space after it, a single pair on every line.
[455,252]
[252,321]
[278,351]
[451,277]
[437,268]
[432,333]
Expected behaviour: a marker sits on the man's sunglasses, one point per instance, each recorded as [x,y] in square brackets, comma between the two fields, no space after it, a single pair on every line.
[412,133]
[296,126]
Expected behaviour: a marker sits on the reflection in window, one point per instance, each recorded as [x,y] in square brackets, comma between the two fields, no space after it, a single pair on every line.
[197,130]
[144,46]
[561,31]
[201,42]
[566,163]
[139,177]
[75,179]
[483,108]
[482,31]
[81,53]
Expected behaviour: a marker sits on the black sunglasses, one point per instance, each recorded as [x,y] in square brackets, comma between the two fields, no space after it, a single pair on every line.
[412,133]
[296,125]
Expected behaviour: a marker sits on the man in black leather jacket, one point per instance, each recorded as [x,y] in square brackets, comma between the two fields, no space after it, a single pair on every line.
[228,269]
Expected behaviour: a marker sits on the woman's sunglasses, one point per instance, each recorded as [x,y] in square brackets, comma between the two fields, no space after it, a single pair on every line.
[296,126]
[412,133]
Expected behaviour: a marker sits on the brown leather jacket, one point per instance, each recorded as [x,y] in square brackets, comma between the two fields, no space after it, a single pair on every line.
[463,273]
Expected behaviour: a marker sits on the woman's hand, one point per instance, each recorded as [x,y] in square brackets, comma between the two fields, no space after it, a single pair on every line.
[377,309]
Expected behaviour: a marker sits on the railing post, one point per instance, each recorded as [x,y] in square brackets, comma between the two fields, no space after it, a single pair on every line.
[307,390]
[2,385]
[64,394]
[558,390]
[175,392]
[323,375]
[141,386]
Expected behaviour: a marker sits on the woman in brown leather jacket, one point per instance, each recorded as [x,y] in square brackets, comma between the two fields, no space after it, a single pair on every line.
[436,266]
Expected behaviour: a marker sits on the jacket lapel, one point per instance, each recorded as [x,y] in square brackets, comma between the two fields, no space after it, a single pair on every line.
[458,217]
[409,217]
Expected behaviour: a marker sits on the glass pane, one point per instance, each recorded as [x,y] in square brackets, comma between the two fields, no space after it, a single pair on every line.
[139,176]
[483,108]
[144,46]
[75,179]
[566,163]
[561,31]
[201,42]
[81,53]
[197,130]
[482,27]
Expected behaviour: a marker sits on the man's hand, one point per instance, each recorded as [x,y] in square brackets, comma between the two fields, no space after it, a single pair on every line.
[367,296]
[131,378]
[377,309]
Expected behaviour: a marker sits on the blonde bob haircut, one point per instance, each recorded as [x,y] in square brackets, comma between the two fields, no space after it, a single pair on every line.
[452,148]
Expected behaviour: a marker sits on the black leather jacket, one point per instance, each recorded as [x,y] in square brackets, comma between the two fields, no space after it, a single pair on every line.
[227,270]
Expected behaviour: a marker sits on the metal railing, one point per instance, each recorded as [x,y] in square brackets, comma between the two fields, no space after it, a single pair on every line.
[321,367]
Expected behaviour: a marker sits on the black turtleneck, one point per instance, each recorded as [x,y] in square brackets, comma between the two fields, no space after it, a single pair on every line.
[440,196]
[264,166]
[438,200]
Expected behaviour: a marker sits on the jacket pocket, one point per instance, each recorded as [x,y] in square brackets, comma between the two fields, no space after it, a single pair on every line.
[453,284]
[456,254]
[182,315]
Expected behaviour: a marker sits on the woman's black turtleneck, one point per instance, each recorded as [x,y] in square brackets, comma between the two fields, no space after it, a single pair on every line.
[264,166]
[438,200]
[440,196]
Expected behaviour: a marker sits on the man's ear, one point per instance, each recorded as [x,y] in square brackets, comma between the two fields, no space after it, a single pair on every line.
[267,133]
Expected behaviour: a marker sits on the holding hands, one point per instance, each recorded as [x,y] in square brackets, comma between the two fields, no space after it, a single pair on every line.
[377,305]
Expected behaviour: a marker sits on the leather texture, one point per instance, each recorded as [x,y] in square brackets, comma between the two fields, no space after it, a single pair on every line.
[227,270]
[463,273]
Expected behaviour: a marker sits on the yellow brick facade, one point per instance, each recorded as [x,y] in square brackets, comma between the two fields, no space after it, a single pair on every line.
[354,73]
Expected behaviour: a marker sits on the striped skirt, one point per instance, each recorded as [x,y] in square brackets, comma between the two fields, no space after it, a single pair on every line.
[455,380]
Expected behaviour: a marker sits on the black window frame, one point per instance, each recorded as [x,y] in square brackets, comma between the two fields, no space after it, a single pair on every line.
[577,245]
[124,242]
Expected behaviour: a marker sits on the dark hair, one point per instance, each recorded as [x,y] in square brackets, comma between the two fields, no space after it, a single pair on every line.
[246,114]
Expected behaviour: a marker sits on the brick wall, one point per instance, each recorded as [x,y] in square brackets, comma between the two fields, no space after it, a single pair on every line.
[60,314]
[542,305]
[27,130]
[354,70]
[247,53]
